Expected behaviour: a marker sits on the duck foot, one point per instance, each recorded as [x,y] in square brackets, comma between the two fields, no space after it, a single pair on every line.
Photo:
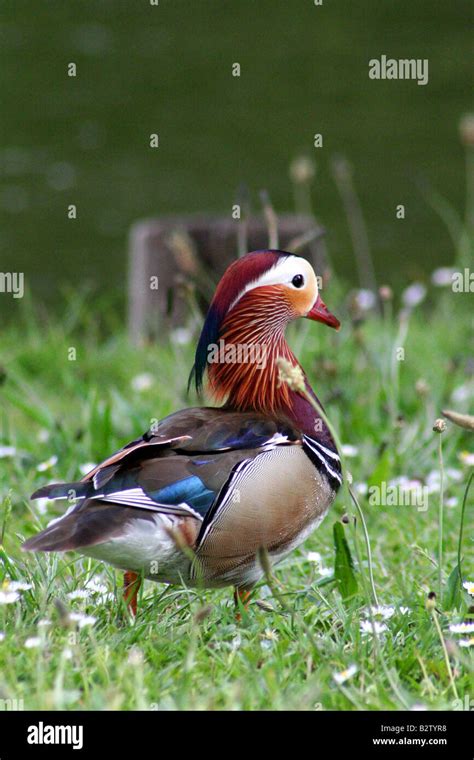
[131,587]
[241,597]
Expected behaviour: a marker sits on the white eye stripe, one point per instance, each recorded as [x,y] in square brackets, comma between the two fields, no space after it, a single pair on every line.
[282,274]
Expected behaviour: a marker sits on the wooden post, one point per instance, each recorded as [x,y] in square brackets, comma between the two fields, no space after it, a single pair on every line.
[176,250]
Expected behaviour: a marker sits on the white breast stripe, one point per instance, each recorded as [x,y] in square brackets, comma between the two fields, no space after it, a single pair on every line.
[236,478]
[321,458]
[330,453]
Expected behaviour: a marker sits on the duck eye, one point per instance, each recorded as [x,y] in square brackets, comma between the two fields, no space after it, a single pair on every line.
[298,281]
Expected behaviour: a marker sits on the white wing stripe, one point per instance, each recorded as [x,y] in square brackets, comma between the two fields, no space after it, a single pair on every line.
[136,497]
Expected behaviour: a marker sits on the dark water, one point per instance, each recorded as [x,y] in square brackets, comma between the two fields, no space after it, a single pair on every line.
[167,69]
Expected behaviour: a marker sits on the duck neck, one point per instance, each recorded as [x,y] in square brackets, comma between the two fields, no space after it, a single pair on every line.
[243,371]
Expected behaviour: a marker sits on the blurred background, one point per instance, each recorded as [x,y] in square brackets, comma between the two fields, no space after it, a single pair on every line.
[167,69]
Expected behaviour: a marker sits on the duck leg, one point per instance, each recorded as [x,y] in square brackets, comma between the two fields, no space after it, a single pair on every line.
[131,586]
[241,597]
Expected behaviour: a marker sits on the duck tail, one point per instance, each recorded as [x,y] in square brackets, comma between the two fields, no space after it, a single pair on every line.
[57,537]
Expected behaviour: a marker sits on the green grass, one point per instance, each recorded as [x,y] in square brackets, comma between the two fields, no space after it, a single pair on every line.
[185,650]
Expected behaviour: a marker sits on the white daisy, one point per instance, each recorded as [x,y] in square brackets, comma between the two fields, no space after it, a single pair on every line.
[43,466]
[414,295]
[313,557]
[467,458]
[8,597]
[181,336]
[462,628]
[325,571]
[442,277]
[270,634]
[95,587]
[86,467]
[343,675]
[33,642]
[383,611]
[135,657]
[366,627]
[463,393]
[466,642]
[79,593]
[142,382]
[7,451]
[469,586]
[19,586]
[365,299]
[82,620]
[349,451]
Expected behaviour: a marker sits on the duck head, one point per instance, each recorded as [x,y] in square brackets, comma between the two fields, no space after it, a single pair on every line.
[244,331]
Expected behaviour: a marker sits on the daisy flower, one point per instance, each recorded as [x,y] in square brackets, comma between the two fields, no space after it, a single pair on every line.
[442,277]
[383,611]
[466,642]
[413,295]
[142,382]
[78,593]
[462,628]
[365,299]
[349,451]
[366,627]
[43,466]
[467,457]
[86,467]
[7,451]
[469,586]
[19,586]
[313,557]
[33,642]
[181,336]
[325,572]
[8,597]
[343,675]
[463,393]
[82,620]
[135,657]
[270,634]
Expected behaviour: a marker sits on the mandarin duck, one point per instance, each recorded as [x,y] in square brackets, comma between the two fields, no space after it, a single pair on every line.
[197,497]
